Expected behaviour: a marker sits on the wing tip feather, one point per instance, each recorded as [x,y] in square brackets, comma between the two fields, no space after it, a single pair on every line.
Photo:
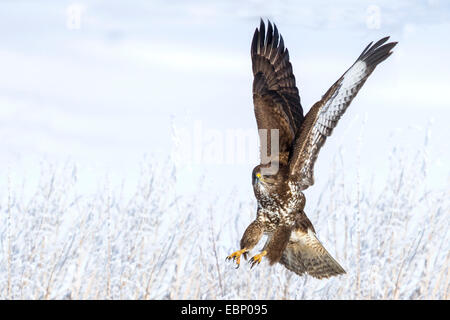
[376,53]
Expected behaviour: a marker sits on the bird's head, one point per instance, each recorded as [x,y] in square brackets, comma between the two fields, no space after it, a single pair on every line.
[267,182]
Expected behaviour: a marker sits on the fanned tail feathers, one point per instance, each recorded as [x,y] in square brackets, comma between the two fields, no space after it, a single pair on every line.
[305,254]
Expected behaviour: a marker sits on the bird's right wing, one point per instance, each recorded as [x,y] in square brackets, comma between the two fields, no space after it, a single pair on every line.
[275,94]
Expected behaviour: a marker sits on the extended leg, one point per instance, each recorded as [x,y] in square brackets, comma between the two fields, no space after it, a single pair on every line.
[275,246]
[251,237]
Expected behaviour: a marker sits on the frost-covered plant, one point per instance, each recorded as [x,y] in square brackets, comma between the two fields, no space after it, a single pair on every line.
[63,244]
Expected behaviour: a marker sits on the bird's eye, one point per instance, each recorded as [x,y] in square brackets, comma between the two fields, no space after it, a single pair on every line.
[265,179]
[269,179]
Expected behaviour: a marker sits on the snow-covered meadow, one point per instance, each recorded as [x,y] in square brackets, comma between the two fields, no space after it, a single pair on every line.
[60,243]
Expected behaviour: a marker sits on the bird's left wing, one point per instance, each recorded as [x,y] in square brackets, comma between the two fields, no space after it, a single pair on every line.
[325,114]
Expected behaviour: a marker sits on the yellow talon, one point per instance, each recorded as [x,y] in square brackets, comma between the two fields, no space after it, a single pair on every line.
[257,258]
[236,256]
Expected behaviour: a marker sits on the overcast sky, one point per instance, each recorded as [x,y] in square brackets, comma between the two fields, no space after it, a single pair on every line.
[103,83]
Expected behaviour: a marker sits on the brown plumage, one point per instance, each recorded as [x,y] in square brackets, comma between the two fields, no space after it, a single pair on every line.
[292,240]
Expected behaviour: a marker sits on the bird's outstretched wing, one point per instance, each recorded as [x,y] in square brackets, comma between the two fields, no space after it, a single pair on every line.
[323,117]
[275,95]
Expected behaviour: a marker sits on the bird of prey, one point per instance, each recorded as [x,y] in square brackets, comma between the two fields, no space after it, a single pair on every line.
[292,240]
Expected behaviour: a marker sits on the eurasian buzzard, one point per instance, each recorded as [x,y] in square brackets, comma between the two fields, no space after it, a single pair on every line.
[292,240]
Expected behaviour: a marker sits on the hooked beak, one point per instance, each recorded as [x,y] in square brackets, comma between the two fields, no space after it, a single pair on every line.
[259,177]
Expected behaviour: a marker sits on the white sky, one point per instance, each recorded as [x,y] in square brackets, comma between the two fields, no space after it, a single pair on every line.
[104,87]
